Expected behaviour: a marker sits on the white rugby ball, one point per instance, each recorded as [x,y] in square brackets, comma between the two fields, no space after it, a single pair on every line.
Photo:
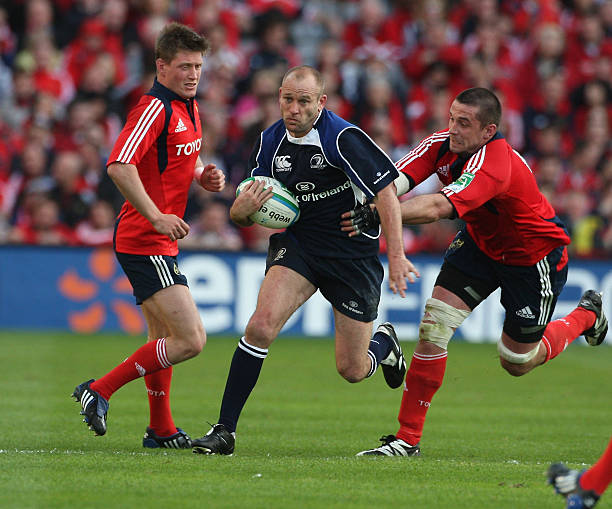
[280,211]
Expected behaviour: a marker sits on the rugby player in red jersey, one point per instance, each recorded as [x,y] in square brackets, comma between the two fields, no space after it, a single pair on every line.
[512,240]
[153,163]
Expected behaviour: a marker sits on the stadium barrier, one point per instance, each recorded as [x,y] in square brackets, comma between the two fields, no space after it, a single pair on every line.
[85,290]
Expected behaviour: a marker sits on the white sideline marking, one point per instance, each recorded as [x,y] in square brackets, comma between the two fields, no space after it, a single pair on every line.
[68,452]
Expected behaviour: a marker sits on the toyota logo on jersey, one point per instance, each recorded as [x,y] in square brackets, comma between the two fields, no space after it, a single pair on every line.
[188,148]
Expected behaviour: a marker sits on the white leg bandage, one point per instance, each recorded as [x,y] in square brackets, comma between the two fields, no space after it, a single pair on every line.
[516,358]
[446,319]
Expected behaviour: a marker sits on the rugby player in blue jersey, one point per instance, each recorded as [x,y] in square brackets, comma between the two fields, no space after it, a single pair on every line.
[331,166]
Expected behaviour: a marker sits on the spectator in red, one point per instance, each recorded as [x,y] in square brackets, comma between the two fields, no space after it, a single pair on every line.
[99,226]
[29,166]
[437,43]
[370,36]
[91,41]
[274,49]
[213,230]
[545,58]
[209,14]
[581,174]
[592,94]
[433,93]
[71,191]
[549,104]
[585,48]
[45,227]
[379,100]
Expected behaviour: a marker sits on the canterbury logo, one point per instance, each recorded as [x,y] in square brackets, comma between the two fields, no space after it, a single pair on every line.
[282,163]
[180,127]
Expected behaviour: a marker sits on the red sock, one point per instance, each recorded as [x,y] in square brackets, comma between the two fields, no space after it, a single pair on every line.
[423,379]
[599,476]
[158,390]
[149,358]
[562,332]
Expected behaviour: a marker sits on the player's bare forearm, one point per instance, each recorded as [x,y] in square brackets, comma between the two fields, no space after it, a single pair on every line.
[127,180]
[390,219]
[400,267]
[426,208]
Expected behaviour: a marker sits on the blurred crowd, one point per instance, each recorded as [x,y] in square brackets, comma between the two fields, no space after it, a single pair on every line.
[70,70]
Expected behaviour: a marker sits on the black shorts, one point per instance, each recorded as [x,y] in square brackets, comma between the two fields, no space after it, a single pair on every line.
[149,274]
[528,294]
[351,286]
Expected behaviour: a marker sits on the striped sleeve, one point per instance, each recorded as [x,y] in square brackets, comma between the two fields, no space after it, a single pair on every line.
[419,163]
[144,125]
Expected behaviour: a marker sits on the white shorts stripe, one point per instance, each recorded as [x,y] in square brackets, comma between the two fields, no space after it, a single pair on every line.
[546,293]
[162,270]
[141,128]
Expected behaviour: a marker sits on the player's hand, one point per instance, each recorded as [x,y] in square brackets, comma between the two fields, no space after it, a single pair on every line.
[171,226]
[361,218]
[400,269]
[212,178]
[251,198]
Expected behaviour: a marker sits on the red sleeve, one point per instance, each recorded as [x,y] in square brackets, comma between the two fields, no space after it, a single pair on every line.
[420,162]
[487,174]
[144,125]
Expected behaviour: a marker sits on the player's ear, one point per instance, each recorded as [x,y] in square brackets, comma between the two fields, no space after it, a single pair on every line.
[322,102]
[490,131]
[160,65]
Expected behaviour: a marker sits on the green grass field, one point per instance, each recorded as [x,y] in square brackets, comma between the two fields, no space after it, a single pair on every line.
[487,443]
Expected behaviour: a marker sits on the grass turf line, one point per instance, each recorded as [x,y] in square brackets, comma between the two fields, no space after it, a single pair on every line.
[487,442]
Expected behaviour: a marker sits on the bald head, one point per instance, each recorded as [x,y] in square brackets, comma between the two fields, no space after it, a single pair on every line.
[301,99]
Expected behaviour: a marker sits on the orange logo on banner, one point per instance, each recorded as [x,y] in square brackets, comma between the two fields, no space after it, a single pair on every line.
[103,268]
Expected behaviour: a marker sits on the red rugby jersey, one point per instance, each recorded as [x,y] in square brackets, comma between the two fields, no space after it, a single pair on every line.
[495,192]
[162,138]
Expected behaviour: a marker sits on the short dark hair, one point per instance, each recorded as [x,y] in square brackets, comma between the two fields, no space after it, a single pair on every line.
[303,70]
[489,107]
[176,37]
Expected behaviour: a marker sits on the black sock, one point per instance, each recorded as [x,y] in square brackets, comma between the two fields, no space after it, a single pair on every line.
[242,377]
[379,349]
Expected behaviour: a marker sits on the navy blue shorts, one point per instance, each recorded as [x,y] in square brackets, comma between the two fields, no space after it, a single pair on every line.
[528,294]
[351,286]
[149,274]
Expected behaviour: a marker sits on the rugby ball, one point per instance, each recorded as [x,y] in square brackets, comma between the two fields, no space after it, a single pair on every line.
[280,211]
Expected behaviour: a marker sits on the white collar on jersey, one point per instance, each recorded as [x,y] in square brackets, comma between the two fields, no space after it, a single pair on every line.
[310,138]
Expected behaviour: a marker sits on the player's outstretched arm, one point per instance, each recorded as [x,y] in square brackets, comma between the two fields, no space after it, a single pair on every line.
[249,201]
[400,267]
[426,208]
[127,180]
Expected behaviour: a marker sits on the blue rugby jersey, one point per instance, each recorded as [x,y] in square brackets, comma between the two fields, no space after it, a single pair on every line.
[335,167]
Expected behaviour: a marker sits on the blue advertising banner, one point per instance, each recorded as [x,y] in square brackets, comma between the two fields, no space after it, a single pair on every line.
[85,290]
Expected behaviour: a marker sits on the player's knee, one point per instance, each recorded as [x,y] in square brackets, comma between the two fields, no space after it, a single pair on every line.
[351,372]
[193,342]
[514,369]
[439,322]
[260,331]
[517,364]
